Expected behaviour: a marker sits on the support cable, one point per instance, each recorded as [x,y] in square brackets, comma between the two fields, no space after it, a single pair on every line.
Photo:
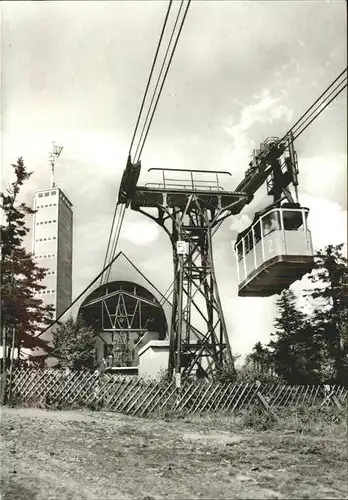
[315,102]
[109,241]
[136,126]
[298,133]
[164,79]
[150,76]
[116,238]
[118,229]
[159,78]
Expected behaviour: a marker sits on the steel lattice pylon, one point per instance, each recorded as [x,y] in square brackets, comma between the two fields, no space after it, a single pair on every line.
[190,211]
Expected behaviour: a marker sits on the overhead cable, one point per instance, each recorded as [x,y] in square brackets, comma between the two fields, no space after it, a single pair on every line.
[164,79]
[336,92]
[159,78]
[109,240]
[116,238]
[118,229]
[150,76]
[134,134]
[299,121]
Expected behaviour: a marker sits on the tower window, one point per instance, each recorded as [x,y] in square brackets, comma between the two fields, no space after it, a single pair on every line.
[53,192]
[47,194]
[40,195]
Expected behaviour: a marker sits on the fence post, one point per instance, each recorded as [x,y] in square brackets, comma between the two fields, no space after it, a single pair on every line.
[178,389]
[9,395]
[3,374]
[330,394]
[264,402]
[3,388]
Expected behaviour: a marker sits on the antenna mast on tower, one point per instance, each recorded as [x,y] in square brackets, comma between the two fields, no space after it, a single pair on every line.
[53,156]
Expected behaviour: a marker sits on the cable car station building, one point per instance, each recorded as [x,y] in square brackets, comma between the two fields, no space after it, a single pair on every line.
[128,318]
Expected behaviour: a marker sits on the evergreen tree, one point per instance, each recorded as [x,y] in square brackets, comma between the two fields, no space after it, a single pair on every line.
[74,345]
[296,347]
[259,365]
[22,312]
[330,316]
[261,358]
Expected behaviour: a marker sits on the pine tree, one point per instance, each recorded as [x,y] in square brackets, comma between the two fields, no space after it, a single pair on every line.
[22,312]
[331,306]
[296,348]
[74,345]
[261,359]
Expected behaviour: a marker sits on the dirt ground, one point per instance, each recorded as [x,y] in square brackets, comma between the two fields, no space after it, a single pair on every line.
[99,455]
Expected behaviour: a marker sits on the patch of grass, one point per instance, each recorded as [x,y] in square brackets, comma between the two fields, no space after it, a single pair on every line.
[85,455]
[296,420]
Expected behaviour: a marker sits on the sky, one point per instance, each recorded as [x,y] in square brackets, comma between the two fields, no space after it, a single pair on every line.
[75,73]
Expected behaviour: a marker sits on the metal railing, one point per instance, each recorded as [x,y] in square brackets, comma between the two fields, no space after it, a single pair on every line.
[190,184]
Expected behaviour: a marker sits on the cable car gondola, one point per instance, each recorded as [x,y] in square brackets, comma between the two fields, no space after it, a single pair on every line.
[274,252]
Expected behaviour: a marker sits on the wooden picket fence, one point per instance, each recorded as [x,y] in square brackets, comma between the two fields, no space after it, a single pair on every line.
[134,396]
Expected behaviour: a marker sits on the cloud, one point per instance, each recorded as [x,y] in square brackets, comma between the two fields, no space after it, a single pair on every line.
[249,320]
[327,220]
[239,223]
[140,233]
[250,126]
[266,109]
[324,176]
